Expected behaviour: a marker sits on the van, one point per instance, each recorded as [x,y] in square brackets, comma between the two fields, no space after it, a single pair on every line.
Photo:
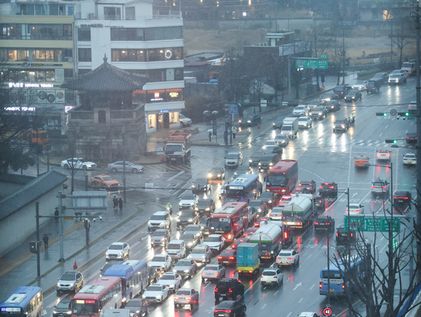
[176,249]
[290,127]
[409,67]
[159,220]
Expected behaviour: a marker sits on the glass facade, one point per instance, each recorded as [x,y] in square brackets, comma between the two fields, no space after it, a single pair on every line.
[146,55]
[149,34]
[15,31]
[162,74]
[46,9]
[35,55]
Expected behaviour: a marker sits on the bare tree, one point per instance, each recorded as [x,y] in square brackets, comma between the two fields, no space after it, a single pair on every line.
[402,33]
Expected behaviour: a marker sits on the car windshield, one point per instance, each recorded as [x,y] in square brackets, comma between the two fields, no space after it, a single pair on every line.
[68,276]
[255,203]
[213,239]
[64,303]
[159,258]
[154,288]
[183,263]
[173,147]
[285,253]
[231,155]
[212,268]
[167,277]
[276,180]
[158,234]
[203,203]
[286,128]
[106,178]
[198,251]
[132,304]
[116,247]
[174,246]
[268,273]
[188,236]
[183,292]
[187,197]
[219,224]
[158,217]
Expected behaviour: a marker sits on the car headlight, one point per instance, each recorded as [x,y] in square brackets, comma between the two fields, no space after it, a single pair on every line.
[250,160]
[219,175]
[190,220]
[58,284]
[210,175]
[207,208]
[248,121]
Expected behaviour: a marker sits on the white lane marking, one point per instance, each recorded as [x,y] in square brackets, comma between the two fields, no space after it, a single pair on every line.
[276,292]
[300,300]
[176,175]
[297,286]
[289,314]
[263,306]
[312,286]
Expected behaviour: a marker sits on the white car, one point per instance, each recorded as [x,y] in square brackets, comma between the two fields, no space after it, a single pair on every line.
[213,272]
[355,209]
[233,159]
[185,121]
[159,220]
[300,110]
[383,155]
[272,276]
[170,280]
[409,159]
[125,166]
[155,293]
[288,257]
[77,163]
[188,200]
[359,87]
[305,122]
[161,262]
[117,251]
[271,146]
[282,140]
[215,242]
[200,254]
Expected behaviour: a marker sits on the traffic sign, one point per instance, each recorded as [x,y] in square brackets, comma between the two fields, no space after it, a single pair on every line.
[324,56]
[373,223]
[393,112]
[311,63]
[327,311]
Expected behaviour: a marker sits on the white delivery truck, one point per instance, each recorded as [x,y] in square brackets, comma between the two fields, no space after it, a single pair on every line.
[290,127]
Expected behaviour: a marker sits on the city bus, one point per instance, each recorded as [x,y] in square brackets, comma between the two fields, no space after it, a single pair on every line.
[230,220]
[282,177]
[243,188]
[25,301]
[339,277]
[269,238]
[102,293]
[134,276]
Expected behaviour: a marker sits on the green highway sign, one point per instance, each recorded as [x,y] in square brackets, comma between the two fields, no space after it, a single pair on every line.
[324,56]
[311,63]
[373,223]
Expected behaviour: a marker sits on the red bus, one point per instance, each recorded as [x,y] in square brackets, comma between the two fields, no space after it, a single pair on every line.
[230,220]
[282,177]
[104,292]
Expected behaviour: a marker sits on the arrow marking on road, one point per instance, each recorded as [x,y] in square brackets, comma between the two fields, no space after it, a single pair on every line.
[297,286]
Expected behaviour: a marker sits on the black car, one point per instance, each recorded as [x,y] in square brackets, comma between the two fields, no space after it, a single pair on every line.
[341,126]
[230,308]
[205,206]
[345,236]
[353,95]
[324,224]
[328,189]
[318,113]
[258,206]
[341,90]
[373,86]
[250,120]
[268,198]
[306,187]
[62,308]
[216,175]
[268,160]
[200,186]
[187,217]
[411,138]
[332,105]
[137,307]
[228,289]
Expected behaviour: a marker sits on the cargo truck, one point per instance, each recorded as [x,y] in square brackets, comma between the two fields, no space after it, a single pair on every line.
[248,262]
[290,127]
[297,214]
[177,148]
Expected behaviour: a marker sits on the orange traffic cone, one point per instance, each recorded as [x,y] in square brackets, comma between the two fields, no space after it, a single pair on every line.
[75,265]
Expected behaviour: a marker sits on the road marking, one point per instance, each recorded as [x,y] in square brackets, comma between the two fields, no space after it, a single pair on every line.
[277,291]
[297,286]
[263,306]
[312,286]
[300,300]
[176,175]
[289,314]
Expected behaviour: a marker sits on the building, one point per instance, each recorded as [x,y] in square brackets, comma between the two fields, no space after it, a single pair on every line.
[138,41]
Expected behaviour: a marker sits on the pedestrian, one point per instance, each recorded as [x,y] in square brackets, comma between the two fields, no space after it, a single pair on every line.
[226,137]
[169,208]
[234,131]
[45,240]
[56,214]
[120,204]
[115,203]
[210,135]
[75,265]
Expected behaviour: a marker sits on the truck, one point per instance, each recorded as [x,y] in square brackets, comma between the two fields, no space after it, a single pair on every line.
[177,148]
[297,214]
[269,237]
[290,127]
[248,262]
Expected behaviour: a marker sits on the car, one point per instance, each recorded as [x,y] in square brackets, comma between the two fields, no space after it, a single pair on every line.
[177,249]
[306,187]
[272,146]
[187,217]
[412,107]
[324,224]
[345,236]
[340,126]
[215,242]
[272,276]
[62,306]
[203,223]
[258,206]
[190,240]
[186,268]
[318,113]
[233,159]
[282,140]
[216,175]
[186,297]
[213,272]
[118,250]
[328,190]
[104,181]
[383,155]
[354,209]
[201,254]
[237,241]
[300,110]
[285,199]
[268,198]
[397,78]
[170,280]
[69,281]
[205,205]
[380,187]
[277,123]
[411,138]
[155,293]
[159,238]
[249,232]
[380,78]
[230,308]
[250,120]
[228,288]
[332,105]
[288,257]
[184,121]
[341,90]
[305,122]
[159,220]
[359,87]
[161,262]
[188,200]
[78,163]
[409,159]
[137,307]
[373,86]
[200,186]
[402,200]
[125,166]
[361,161]
[255,159]
[197,230]
[228,256]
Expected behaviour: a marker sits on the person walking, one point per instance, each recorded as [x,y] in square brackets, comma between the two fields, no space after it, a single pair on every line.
[234,131]
[115,203]
[120,204]
[210,135]
[45,240]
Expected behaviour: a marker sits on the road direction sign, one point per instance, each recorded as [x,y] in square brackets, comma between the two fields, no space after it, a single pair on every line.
[327,311]
[373,223]
[311,63]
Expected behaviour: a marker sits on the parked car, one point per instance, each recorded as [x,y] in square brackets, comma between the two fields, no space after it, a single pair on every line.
[127,166]
[186,297]
[104,181]
[272,276]
[155,293]
[118,250]
[77,163]
[213,272]
[69,281]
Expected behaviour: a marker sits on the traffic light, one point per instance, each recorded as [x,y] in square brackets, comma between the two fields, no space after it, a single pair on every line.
[391,141]
[381,114]
[404,115]
[34,246]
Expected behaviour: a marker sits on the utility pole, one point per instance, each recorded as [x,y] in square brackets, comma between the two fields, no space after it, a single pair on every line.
[38,251]
[61,233]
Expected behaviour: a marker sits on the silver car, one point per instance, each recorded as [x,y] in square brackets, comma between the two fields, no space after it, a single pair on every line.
[120,166]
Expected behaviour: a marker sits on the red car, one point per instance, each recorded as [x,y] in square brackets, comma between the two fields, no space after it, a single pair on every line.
[228,256]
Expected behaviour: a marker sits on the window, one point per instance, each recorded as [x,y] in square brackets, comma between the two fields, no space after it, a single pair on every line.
[84,34]
[130,13]
[112,13]
[84,55]
[163,33]
[126,34]
[127,55]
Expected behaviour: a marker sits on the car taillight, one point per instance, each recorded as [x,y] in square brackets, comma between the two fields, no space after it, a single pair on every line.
[229,237]
[228,311]
[351,234]
[219,257]
[320,285]
[316,222]
[337,234]
[331,187]
[215,290]
[285,235]
[343,285]
[230,290]
[231,258]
